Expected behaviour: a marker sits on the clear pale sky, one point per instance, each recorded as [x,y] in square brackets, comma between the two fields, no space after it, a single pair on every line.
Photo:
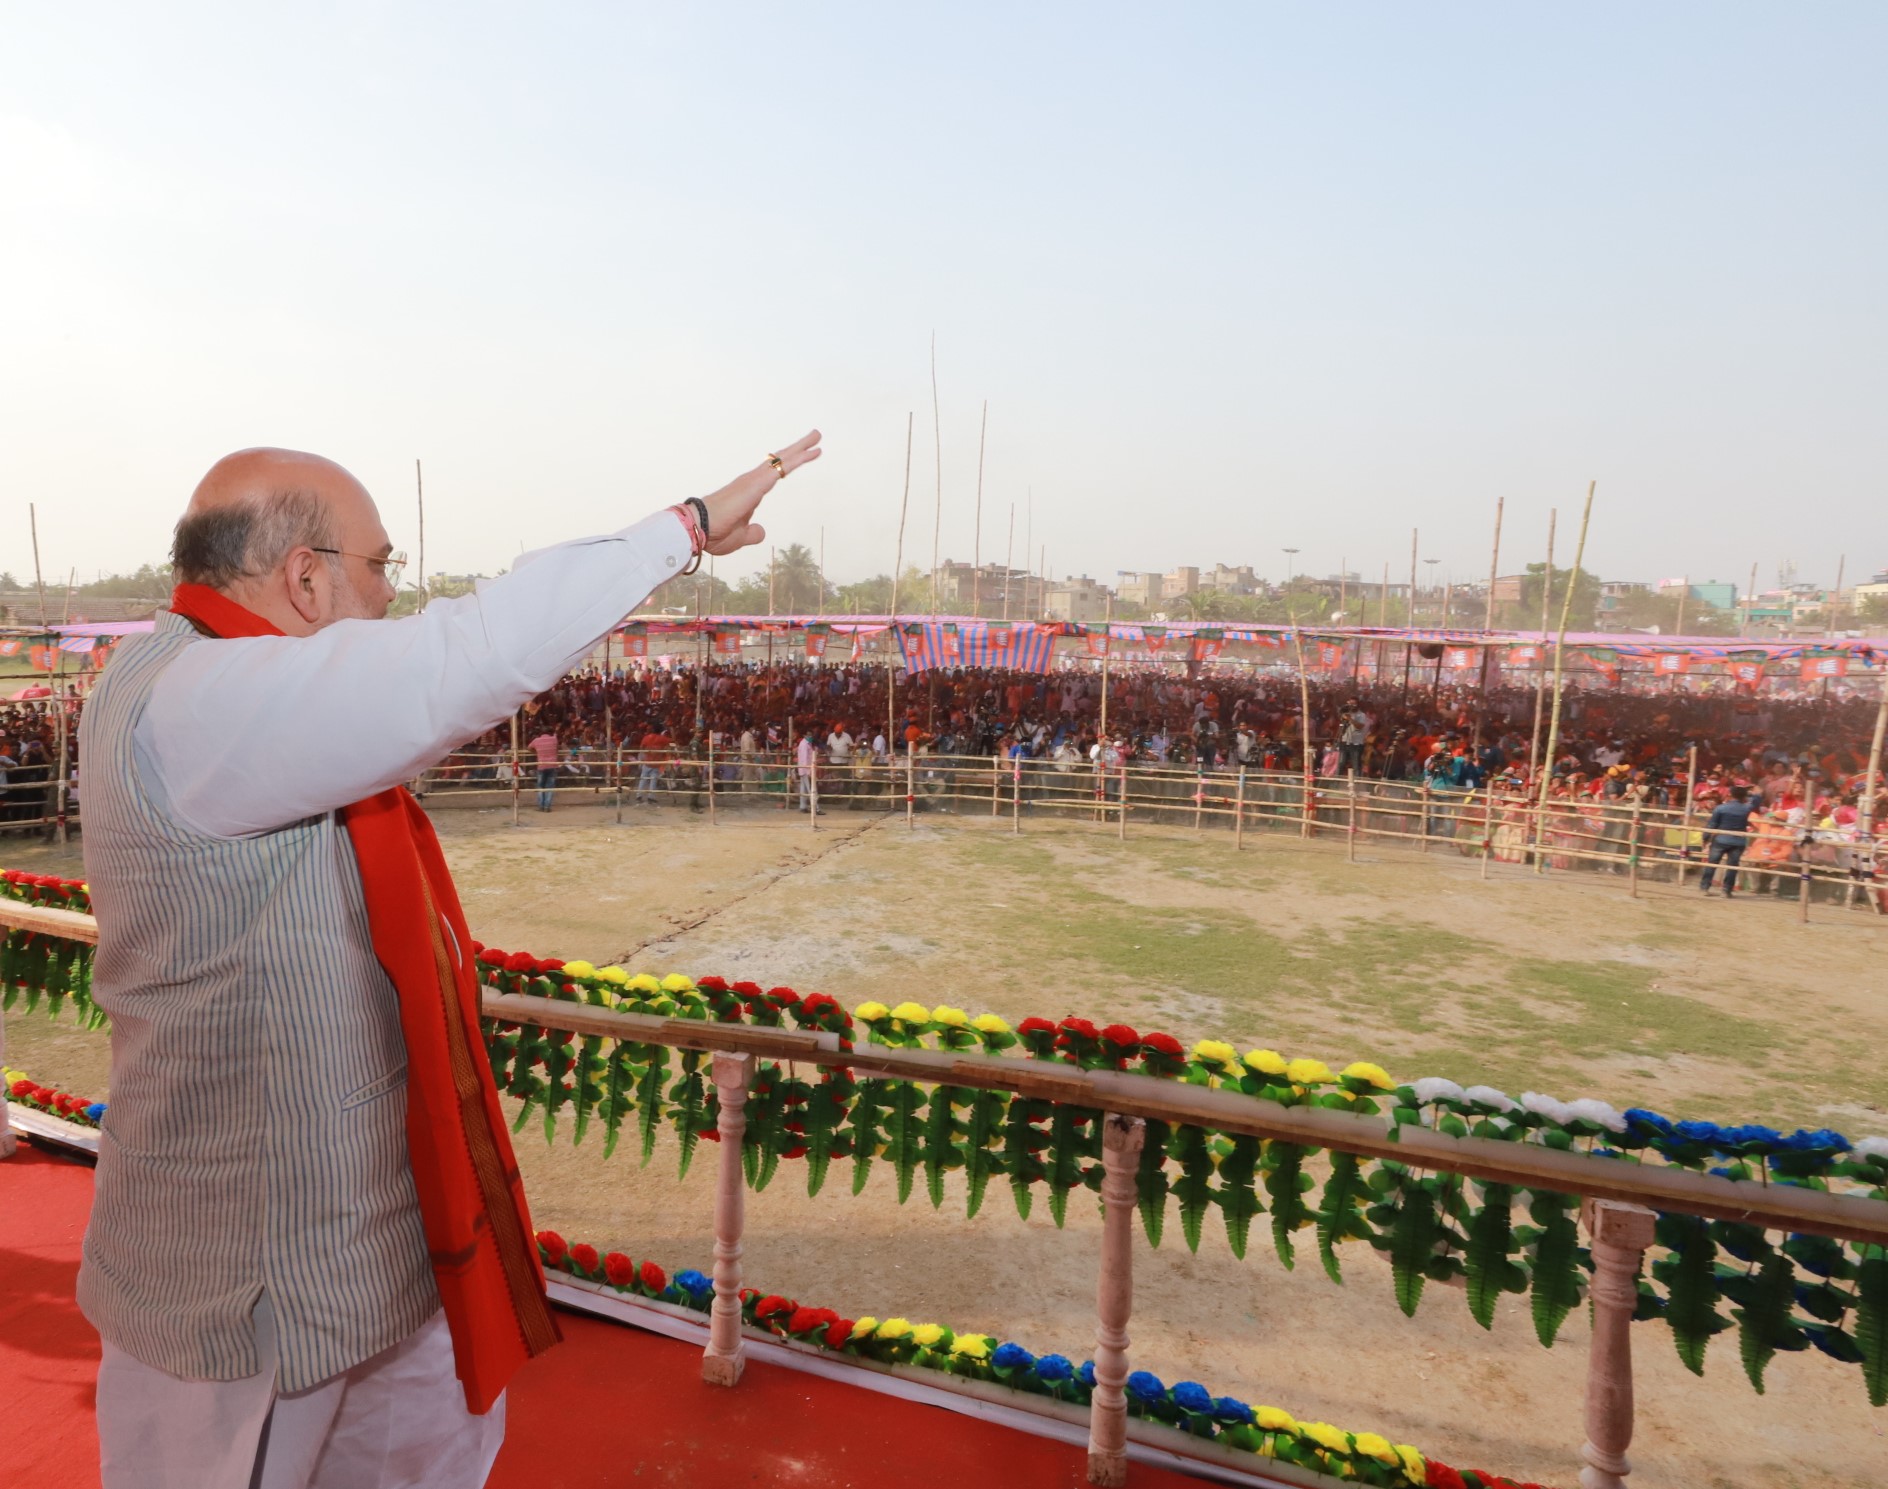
[1232,277]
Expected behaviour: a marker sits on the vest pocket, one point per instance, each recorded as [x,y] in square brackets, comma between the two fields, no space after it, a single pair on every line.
[393,1080]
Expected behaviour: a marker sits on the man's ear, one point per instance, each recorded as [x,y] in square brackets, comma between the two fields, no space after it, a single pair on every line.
[305,579]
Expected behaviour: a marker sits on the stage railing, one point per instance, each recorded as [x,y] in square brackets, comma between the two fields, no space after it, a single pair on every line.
[1619,1202]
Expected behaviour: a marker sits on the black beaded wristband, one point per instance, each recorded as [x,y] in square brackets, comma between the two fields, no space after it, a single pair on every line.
[701,516]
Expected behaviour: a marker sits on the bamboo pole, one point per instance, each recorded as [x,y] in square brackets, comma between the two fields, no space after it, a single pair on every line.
[1239,813]
[898,564]
[822,571]
[812,815]
[1691,797]
[419,496]
[1494,566]
[1750,602]
[514,768]
[1423,830]
[1540,678]
[1016,794]
[1632,854]
[1560,643]
[1121,816]
[1835,598]
[1350,836]
[911,784]
[937,430]
[1107,652]
[1009,565]
[1871,787]
[711,778]
[39,580]
[1678,628]
[976,540]
[1488,827]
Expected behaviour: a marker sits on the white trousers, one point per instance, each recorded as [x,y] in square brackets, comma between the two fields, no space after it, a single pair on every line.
[397,1421]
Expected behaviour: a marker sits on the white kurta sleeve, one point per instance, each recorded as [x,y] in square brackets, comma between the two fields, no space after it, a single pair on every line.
[252,733]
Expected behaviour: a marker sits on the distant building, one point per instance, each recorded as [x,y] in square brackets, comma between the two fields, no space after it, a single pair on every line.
[1614,591]
[1136,588]
[1177,582]
[1711,592]
[1078,599]
[960,583]
[1228,579]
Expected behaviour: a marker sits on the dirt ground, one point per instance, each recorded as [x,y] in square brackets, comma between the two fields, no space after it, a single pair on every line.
[1561,984]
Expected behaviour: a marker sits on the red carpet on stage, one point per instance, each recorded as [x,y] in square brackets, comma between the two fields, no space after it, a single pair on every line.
[611,1406]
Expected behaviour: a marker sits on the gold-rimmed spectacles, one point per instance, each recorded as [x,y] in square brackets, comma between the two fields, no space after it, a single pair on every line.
[391,566]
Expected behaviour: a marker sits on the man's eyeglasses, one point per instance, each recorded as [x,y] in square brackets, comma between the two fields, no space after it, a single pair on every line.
[391,567]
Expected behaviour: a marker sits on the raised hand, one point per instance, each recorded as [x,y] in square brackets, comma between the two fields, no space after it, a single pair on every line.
[731,509]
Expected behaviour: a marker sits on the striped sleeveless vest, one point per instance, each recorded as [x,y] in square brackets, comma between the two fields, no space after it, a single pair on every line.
[256,1139]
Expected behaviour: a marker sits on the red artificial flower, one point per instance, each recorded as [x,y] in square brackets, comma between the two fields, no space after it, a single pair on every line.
[805,1320]
[654,1279]
[619,1269]
[583,1256]
[813,1002]
[773,1303]
[521,961]
[1120,1034]
[1034,1025]
[550,964]
[729,1015]
[711,1134]
[553,1247]
[478,949]
[797,1152]
[712,984]
[1079,1026]
[1441,1476]
[784,996]
[746,989]
[493,957]
[749,1292]
[838,1332]
[1161,1044]
[20,1088]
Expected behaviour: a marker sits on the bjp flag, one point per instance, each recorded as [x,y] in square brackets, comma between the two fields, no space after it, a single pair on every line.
[858,645]
[1461,658]
[45,658]
[1206,648]
[1098,643]
[1748,674]
[727,643]
[1670,663]
[1817,668]
[1330,655]
[815,643]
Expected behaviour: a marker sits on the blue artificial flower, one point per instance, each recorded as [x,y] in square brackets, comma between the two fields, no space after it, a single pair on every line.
[1721,1172]
[1086,1375]
[1144,1385]
[1707,1133]
[1054,1368]
[1192,1396]
[1638,1116]
[1749,1135]
[1231,1411]
[1014,1357]
[692,1281]
[1822,1140]
[95,1111]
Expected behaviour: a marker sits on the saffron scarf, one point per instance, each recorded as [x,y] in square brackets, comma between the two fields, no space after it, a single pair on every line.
[478,1230]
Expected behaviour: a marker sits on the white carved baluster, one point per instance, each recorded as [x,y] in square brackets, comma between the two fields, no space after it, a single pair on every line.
[1619,1234]
[726,1354]
[1114,1299]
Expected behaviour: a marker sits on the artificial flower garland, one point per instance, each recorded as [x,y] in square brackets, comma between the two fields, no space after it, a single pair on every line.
[1430,1226]
[1794,1293]
[24,1090]
[1267,1431]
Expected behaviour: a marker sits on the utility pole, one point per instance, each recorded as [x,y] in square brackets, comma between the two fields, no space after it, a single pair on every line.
[976,541]
[1494,566]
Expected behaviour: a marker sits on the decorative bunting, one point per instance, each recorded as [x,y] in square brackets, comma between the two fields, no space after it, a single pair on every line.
[1461,658]
[1671,663]
[1816,668]
[727,643]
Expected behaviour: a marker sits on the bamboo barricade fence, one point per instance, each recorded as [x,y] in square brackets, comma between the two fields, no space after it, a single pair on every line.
[1641,844]
[1619,1201]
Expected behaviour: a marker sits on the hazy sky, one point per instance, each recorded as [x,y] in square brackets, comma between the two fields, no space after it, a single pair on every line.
[1232,277]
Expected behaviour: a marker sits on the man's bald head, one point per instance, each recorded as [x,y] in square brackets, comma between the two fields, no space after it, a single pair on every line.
[263,522]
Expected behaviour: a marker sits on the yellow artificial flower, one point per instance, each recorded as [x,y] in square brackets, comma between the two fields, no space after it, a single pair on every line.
[871,1013]
[972,1346]
[1363,1070]
[893,1328]
[1266,1062]
[1413,1464]
[864,1327]
[1325,1436]
[927,1335]
[579,969]
[1215,1052]
[1369,1444]
[675,982]
[951,1018]
[1271,1419]
[912,1013]
[642,982]
[1308,1072]
[989,1023]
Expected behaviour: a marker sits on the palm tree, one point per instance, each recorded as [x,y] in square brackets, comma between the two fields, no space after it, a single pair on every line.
[797,580]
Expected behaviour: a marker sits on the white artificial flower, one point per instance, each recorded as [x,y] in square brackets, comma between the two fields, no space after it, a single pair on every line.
[1547,1106]
[1489,1096]
[1437,1088]
[1873,1147]
[1598,1113]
